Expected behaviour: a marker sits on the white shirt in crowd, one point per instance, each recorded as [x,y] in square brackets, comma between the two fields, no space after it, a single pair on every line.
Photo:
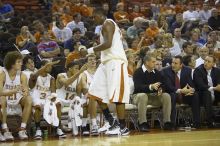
[79,25]
[175,50]
[188,15]
[98,29]
[210,83]
[180,42]
[204,15]
[62,34]
[199,61]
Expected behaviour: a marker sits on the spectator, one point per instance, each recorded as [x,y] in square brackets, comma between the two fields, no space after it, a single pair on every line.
[205,13]
[211,48]
[69,44]
[179,84]
[178,23]
[77,23]
[149,89]
[214,40]
[162,22]
[189,60]
[187,49]
[207,82]
[132,32]
[205,32]
[173,46]
[203,52]
[214,20]
[120,15]
[158,42]
[191,14]
[158,65]
[39,31]
[124,38]
[195,39]
[131,68]
[153,29]
[62,33]
[109,13]
[177,38]
[77,53]
[25,40]
[136,13]
[48,49]
[6,11]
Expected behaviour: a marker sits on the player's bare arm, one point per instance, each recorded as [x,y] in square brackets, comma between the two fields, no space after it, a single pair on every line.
[24,86]
[108,30]
[53,85]
[34,76]
[62,81]
[82,86]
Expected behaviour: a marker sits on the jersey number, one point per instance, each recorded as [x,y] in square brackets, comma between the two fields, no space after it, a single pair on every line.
[69,96]
[43,95]
[13,97]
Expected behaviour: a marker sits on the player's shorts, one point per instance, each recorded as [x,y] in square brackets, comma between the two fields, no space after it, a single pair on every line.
[111,83]
[15,99]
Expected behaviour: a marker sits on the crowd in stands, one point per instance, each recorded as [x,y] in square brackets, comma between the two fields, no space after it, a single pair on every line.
[173,50]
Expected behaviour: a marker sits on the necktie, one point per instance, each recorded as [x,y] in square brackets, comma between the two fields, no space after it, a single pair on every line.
[177,85]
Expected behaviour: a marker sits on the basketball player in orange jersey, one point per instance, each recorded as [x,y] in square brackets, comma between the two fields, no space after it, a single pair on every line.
[14,92]
[111,81]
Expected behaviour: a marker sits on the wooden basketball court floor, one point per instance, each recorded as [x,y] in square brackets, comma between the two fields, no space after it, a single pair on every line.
[192,138]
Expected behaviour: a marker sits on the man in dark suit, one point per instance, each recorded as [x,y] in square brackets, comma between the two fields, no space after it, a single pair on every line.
[207,83]
[149,89]
[179,84]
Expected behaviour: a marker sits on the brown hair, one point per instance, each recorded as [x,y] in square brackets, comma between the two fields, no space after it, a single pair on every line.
[11,58]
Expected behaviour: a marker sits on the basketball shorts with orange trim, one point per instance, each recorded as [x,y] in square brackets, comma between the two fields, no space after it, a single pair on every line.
[111,83]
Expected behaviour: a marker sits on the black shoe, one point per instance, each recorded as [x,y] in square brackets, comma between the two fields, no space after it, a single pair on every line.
[115,124]
[144,127]
[196,125]
[212,125]
[85,131]
[168,126]
[125,131]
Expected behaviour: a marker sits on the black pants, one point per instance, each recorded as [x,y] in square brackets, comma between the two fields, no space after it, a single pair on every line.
[206,101]
[193,101]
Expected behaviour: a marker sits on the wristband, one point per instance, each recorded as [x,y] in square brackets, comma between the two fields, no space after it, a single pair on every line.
[91,51]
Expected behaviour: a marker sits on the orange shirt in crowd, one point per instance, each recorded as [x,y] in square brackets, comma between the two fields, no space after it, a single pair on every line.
[167,10]
[20,38]
[121,15]
[75,9]
[86,11]
[72,56]
[135,15]
[66,18]
[179,8]
[152,32]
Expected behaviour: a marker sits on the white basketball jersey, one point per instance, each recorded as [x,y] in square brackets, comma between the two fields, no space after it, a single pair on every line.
[65,93]
[116,51]
[89,78]
[42,87]
[12,84]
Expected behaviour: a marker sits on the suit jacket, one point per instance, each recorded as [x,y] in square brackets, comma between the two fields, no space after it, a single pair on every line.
[169,76]
[201,81]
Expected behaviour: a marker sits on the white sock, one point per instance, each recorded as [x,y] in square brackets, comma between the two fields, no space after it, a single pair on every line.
[4,126]
[23,125]
[84,122]
[94,123]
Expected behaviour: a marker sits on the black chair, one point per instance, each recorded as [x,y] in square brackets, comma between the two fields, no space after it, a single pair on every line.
[14,31]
